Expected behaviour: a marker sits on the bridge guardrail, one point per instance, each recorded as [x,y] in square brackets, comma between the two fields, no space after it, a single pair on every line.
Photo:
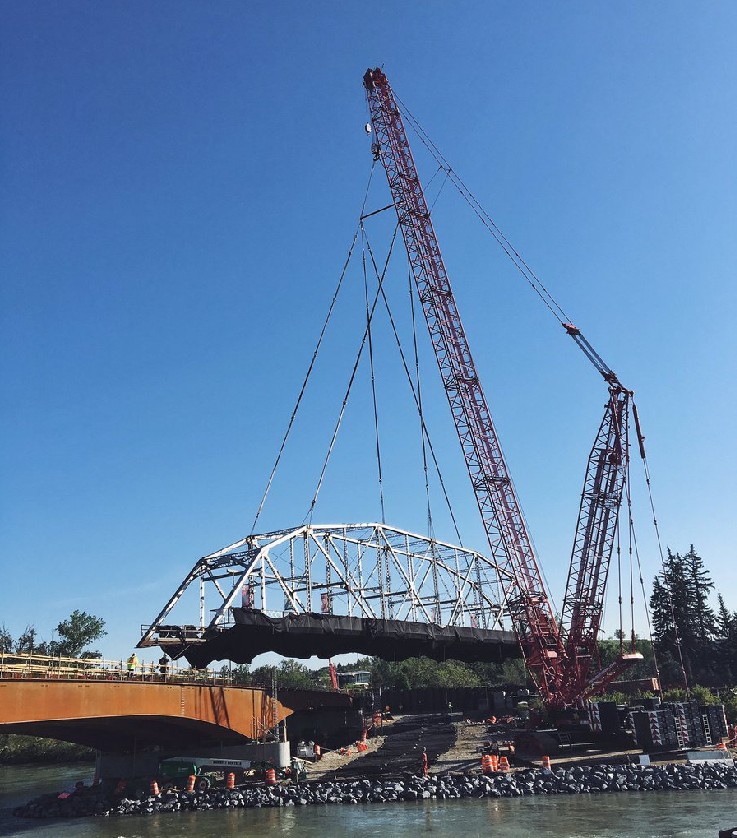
[43,667]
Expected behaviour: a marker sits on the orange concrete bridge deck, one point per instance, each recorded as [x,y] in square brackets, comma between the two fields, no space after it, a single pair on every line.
[102,705]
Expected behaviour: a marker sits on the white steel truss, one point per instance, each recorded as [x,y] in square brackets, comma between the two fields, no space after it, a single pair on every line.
[358,570]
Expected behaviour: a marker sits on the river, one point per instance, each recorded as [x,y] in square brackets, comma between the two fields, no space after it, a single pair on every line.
[686,814]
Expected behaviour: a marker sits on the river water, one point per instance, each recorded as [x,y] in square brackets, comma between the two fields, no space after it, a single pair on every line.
[686,814]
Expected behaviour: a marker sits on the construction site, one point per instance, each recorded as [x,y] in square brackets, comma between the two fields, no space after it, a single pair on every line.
[188,737]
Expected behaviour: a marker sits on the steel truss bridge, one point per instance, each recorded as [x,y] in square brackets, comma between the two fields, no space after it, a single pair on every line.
[324,590]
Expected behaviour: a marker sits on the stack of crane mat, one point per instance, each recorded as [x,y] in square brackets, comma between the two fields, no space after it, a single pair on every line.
[717,721]
[655,729]
[609,720]
[594,718]
[668,728]
[688,723]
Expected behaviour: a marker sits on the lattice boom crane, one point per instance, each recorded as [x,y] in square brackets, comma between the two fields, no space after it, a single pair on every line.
[560,661]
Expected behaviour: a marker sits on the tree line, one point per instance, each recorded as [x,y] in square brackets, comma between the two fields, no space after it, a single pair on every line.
[694,643]
[73,637]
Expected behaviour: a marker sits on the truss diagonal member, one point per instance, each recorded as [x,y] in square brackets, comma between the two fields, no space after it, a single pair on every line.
[355,588]
[289,594]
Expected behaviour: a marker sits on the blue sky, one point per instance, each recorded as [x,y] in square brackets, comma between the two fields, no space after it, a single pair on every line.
[180,184]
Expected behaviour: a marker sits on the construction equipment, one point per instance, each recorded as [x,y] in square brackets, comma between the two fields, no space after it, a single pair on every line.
[561,656]
[206,770]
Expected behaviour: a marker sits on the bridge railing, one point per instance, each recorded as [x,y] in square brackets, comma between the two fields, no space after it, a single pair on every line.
[44,667]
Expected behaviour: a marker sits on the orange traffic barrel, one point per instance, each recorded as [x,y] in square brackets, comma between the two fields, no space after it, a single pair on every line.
[230,781]
[494,762]
[191,780]
[486,764]
[503,763]
[154,788]
[270,777]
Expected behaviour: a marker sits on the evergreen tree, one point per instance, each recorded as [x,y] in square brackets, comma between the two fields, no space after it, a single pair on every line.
[700,586]
[683,620]
[725,636]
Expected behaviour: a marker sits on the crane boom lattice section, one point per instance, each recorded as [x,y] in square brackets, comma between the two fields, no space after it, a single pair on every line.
[593,545]
[501,513]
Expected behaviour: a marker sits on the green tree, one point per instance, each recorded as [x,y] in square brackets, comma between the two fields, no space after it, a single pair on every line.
[456,674]
[699,589]
[6,640]
[240,674]
[289,674]
[683,621]
[725,636]
[76,633]
[27,644]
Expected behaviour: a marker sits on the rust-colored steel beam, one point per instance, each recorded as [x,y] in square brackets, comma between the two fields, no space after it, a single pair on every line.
[121,716]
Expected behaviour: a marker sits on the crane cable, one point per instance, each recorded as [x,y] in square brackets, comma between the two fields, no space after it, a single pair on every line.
[314,354]
[646,468]
[415,395]
[524,269]
[410,286]
[559,313]
[516,258]
[308,515]
[373,376]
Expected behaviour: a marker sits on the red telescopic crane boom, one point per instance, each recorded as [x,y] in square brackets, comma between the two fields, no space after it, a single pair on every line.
[560,664]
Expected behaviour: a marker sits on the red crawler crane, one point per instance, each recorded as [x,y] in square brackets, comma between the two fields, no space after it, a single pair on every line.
[562,663]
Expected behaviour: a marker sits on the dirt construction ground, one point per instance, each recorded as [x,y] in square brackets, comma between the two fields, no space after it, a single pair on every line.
[452,744]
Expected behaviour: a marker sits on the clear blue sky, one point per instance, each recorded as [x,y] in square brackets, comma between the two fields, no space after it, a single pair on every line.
[180,182]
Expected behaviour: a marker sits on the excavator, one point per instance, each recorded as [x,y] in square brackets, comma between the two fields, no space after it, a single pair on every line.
[561,655]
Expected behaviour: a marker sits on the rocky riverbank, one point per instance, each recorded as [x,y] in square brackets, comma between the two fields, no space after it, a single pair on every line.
[576,780]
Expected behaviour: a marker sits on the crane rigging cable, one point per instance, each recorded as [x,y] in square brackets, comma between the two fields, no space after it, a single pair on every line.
[550,302]
[416,395]
[514,255]
[311,366]
[373,377]
[339,420]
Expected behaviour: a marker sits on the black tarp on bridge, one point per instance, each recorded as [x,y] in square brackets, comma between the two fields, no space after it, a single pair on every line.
[325,635]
